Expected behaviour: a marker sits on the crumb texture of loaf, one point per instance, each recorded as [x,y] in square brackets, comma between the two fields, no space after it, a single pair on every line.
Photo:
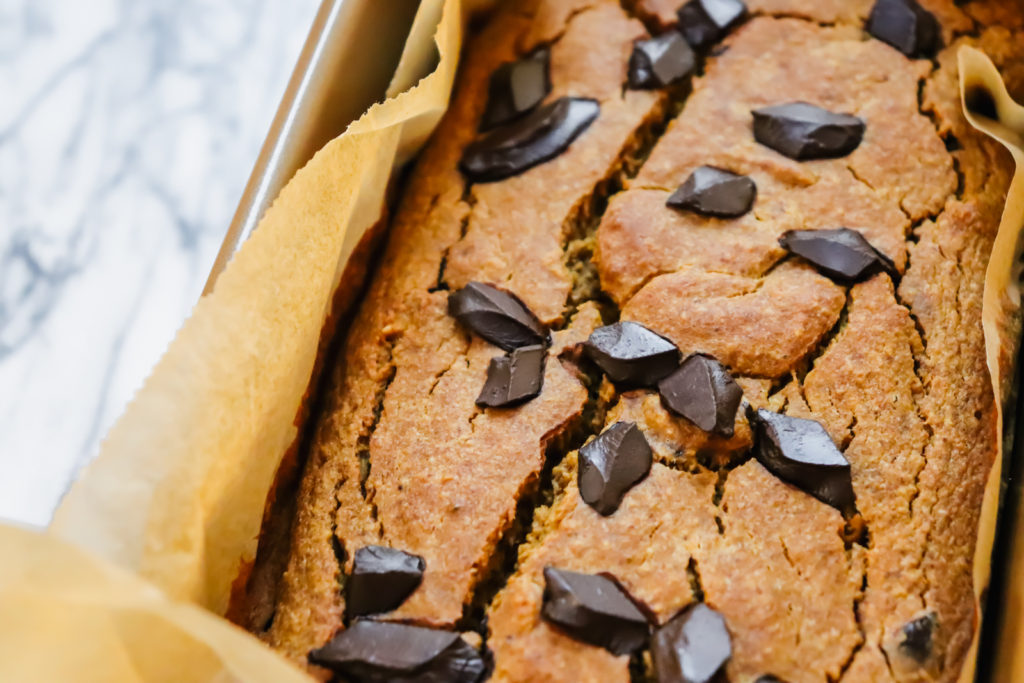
[893,367]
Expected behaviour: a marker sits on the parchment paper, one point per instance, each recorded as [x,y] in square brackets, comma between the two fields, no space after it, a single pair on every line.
[141,555]
[1001,318]
[69,617]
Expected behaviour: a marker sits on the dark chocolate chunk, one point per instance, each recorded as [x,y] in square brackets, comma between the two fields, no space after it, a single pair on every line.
[692,647]
[379,651]
[802,453]
[612,464]
[497,316]
[381,579]
[516,88]
[841,253]
[660,61]
[705,22]
[906,26]
[715,192]
[917,637]
[630,353]
[703,392]
[805,131]
[514,378]
[595,609]
[539,136]
[769,678]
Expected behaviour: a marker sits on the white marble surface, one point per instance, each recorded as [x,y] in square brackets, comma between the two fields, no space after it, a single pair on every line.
[127,131]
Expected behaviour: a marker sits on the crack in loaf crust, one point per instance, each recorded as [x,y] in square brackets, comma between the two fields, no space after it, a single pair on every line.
[900,381]
[444,477]
[897,373]
[787,594]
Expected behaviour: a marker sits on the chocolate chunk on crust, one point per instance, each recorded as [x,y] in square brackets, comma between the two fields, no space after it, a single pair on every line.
[611,465]
[660,61]
[906,26]
[704,392]
[715,192]
[381,579]
[498,316]
[840,253]
[801,452]
[514,378]
[801,130]
[595,609]
[376,651]
[516,88]
[692,647]
[705,22]
[520,145]
[632,354]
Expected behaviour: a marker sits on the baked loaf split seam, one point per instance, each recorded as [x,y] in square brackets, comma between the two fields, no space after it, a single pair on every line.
[890,362]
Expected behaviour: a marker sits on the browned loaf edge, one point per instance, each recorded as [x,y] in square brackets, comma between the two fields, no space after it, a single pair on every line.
[895,371]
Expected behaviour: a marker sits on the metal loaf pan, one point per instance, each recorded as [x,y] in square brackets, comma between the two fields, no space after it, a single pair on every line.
[345,66]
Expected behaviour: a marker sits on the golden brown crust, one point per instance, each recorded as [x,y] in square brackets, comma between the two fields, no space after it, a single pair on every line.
[445,477]
[896,372]
[760,327]
[678,529]
[641,544]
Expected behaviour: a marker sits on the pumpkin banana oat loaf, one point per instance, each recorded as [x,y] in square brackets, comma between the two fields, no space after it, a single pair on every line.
[672,368]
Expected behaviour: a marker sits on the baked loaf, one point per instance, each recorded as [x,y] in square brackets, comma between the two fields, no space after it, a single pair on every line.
[702,529]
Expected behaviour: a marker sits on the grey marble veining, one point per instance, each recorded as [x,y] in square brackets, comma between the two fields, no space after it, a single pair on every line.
[127,131]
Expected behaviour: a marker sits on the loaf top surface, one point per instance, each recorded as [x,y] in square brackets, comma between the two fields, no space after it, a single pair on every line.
[513,479]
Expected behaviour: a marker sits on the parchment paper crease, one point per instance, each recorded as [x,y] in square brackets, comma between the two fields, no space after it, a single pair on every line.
[128,582]
[1001,317]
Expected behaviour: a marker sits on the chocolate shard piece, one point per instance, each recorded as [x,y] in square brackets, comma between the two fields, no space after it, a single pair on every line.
[517,87]
[703,391]
[537,137]
[595,609]
[497,316]
[705,22]
[804,131]
[630,353]
[769,678]
[660,61]
[612,464]
[917,637]
[381,579]
[715,192]
[692,647]
[379,651]
[906,26]
[842,254]
[802,453]
[514,378]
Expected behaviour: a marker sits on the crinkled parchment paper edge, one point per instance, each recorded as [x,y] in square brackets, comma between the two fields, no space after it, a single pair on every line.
[1001,319]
